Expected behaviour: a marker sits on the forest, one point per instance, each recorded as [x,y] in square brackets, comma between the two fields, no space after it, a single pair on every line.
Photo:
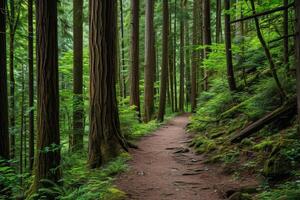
[150,99]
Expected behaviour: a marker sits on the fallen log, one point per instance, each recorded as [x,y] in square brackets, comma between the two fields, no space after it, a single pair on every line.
[287,110]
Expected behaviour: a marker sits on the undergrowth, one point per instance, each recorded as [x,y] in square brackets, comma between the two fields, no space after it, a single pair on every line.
[79,182]
[271,153]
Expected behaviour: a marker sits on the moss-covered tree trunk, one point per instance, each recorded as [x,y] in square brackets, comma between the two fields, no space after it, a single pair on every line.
[105,138]
[4,135]
[47,161]
[297,26]
[286,33]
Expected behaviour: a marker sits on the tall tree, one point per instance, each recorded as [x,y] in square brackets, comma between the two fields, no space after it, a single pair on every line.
[230,72]
[187,63]
[165,64]
[175,57]
[76,140]
[30,84]
[182,62]
[297,26]
[4,135]
[122,68]
[197,38]
[218,21]
[13,22]
[105,138]
[171,63]
[206,36]
[285,34]
[135,72]
[267,52]
[150,61]
[47,163]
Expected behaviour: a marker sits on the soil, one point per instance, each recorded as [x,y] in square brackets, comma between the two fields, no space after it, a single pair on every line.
[165,168]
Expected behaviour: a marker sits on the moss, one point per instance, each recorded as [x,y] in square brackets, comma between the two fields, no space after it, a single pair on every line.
[277,166]
[204,144]
[114,194]
[264,145]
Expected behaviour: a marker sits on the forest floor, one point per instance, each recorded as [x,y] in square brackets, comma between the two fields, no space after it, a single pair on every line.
[165,168]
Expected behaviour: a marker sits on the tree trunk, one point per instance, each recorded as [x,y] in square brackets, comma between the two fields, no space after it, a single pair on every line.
[150,62]
[135,72]
[171,64]
[297,42]
[286,33]
[206,37]
[187,64]
[175,64]
[12,77]
[30,84]
[4,135]
[21,150]
[230,72]
[219,21]
[76,140]
[197,38]
[164,66]
[105,138]
[285,111]
[48,139]
[122,72]
[268,53]
[182,64]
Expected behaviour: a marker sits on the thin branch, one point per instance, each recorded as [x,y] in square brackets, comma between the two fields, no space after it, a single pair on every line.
[282,37]
[263,13]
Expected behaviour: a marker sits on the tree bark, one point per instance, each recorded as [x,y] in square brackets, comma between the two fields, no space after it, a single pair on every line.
[76,140]
[122,72]
[206,37]
[47,163]
[297,54]
[219,21]
[197,38]
[182,64]
[285,33]
[171,64]
[105,138]
[187,64]
[268,53]
[174,57]
[230,72]
[164,66]
[285,111]
[30,84]
[135,72]
[150,62]
[4,134]
[12,25]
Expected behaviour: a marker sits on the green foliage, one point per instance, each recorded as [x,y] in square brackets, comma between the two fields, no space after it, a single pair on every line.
[203,144]
[84,184]
[286,191]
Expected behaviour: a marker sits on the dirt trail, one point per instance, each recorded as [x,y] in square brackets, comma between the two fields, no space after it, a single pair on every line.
[164,168]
